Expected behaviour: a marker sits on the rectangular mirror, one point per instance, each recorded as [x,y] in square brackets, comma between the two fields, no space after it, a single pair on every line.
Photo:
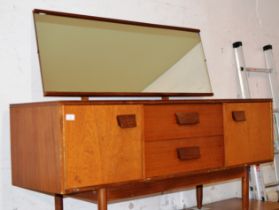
[90,56]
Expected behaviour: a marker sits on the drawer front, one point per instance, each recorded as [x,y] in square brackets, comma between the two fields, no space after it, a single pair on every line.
[182,121]
[163,158]
[103,144]
[248,133]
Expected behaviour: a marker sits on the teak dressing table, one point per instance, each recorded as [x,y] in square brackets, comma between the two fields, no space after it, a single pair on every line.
[103,151]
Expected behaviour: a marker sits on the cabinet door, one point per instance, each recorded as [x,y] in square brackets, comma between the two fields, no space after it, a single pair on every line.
[248,133]
[100,147]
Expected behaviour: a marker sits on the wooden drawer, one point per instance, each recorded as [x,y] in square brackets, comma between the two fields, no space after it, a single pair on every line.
[182,121]
[184,155]
[248,133]
[99,147]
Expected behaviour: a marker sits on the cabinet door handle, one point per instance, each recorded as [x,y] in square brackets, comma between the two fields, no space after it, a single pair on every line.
[187,118]
[188,153]
[126,121]
[239,116]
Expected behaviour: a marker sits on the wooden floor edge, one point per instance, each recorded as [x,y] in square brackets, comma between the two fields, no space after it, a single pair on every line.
[235,204]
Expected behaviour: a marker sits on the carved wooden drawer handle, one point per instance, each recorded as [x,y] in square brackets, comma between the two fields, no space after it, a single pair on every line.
[188,153]
[239,116]
[127,121]
[187,118]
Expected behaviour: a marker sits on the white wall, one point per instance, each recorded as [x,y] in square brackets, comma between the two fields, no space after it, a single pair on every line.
[255,22]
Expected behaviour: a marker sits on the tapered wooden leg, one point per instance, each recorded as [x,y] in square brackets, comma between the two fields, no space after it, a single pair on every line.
[245,189]
[58,199]
[102,199]
[199,194]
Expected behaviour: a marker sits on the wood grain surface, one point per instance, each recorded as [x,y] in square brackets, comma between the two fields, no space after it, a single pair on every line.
[97,150]
[36,147]
[250,140]
[161,156]
[160,121]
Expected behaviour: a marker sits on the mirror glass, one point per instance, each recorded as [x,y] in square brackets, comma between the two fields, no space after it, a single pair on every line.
[90,56]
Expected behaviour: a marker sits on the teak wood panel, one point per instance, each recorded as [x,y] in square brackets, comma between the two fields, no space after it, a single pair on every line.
[161,123]
[161,156]
[36,146]
[39,148]
[251,139]
[99,151]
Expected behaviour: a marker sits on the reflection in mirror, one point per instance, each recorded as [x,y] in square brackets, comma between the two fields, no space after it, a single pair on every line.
[82,55]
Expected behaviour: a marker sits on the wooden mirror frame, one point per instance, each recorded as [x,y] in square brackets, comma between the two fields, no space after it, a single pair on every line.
[116,94]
